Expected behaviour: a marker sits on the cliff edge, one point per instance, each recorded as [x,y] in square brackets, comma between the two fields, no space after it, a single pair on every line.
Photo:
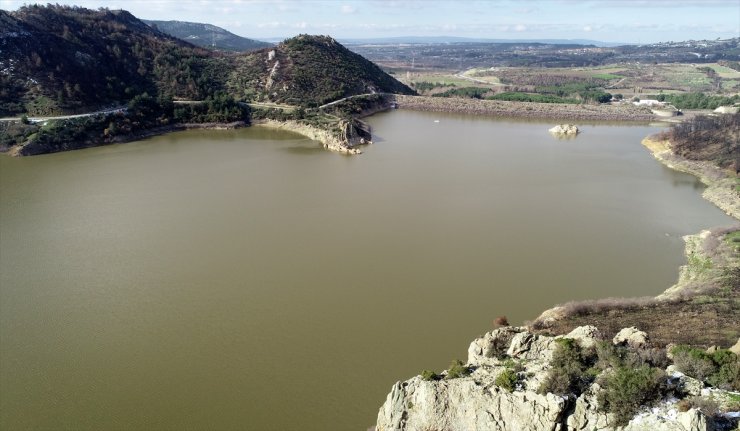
[508,381]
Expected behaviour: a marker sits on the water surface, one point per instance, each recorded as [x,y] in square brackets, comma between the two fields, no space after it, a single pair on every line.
[250,280]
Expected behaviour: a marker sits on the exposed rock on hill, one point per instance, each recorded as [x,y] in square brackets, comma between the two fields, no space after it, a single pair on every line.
[482,400]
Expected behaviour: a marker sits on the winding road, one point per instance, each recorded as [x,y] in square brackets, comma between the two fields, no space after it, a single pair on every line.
[64,117]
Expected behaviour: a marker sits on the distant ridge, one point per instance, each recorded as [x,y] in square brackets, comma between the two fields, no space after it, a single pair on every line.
[455,39]
[207,35]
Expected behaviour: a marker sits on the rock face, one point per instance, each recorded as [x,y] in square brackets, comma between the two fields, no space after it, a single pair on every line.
[632,337]
[565,129]
[476,402]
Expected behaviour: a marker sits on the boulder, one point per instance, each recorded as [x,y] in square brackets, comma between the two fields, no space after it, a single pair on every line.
[586,336]
[464,404]
[736,348]
[487,349]
[565,129]
[632,337]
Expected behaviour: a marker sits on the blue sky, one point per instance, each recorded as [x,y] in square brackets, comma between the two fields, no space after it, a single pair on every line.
[634,21]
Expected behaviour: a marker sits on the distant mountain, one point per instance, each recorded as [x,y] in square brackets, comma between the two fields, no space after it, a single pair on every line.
[310,70]
[455,39]
[65,59]
[207,35]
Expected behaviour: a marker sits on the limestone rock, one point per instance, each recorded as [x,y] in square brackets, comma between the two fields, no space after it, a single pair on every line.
[684,383]
[736,348]
[586,336]
[476,403]
[632,337]
[727,110]
[565,129]
[531,347]
[465,404]
[486,349]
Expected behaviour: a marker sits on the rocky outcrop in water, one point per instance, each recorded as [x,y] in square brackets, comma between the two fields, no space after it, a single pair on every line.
[479,402]
[565,129]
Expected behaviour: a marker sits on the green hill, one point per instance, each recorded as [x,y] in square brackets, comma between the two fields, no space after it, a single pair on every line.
[309,70]
[207,36]
[66,59]
[60,59]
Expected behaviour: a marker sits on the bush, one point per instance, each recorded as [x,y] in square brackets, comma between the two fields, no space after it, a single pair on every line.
[507,379]
[706,405]
[720,369]
[457,369]
[500,321]
[428,375]
[626,389]
[571,371]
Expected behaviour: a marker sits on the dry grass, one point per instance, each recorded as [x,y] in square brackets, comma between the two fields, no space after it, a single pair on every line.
[702,310]
[678,322]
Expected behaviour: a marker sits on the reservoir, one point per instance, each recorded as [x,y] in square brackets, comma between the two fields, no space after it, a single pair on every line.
[249,279]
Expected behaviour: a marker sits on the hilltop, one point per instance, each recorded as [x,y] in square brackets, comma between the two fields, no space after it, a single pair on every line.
[207,35]
[310,70]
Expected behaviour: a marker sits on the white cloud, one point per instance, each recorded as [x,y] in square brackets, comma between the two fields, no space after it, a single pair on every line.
[271,24]
[520,27]
[348,9]
[587,28]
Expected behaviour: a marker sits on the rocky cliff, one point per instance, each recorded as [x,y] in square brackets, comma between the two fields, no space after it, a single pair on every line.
[482,400]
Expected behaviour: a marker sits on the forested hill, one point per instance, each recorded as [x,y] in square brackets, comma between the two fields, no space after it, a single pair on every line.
[310,70]
[59,59]
[207,35]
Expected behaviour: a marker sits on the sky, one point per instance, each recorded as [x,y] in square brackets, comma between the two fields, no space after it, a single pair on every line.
[629,21]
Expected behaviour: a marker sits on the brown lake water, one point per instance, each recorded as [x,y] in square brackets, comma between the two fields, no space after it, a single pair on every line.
[249,279]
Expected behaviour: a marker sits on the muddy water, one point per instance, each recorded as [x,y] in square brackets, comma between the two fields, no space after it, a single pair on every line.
[250,280]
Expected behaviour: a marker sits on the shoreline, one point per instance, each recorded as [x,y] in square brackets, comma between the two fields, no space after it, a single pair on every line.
[18,150]
[329,141]
[719,183]
[707,256]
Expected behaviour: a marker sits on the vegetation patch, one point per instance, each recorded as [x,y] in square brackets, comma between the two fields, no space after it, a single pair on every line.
[457,370]
[571,371]
[429,375]
[720,369]
[509,377]
[531,97]
[627,389]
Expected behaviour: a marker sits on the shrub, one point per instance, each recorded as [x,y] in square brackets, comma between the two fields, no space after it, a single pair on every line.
[507,379]
[626,389]
[500,321]
[428,375]
[720,369]
[457,369]
[570,372]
